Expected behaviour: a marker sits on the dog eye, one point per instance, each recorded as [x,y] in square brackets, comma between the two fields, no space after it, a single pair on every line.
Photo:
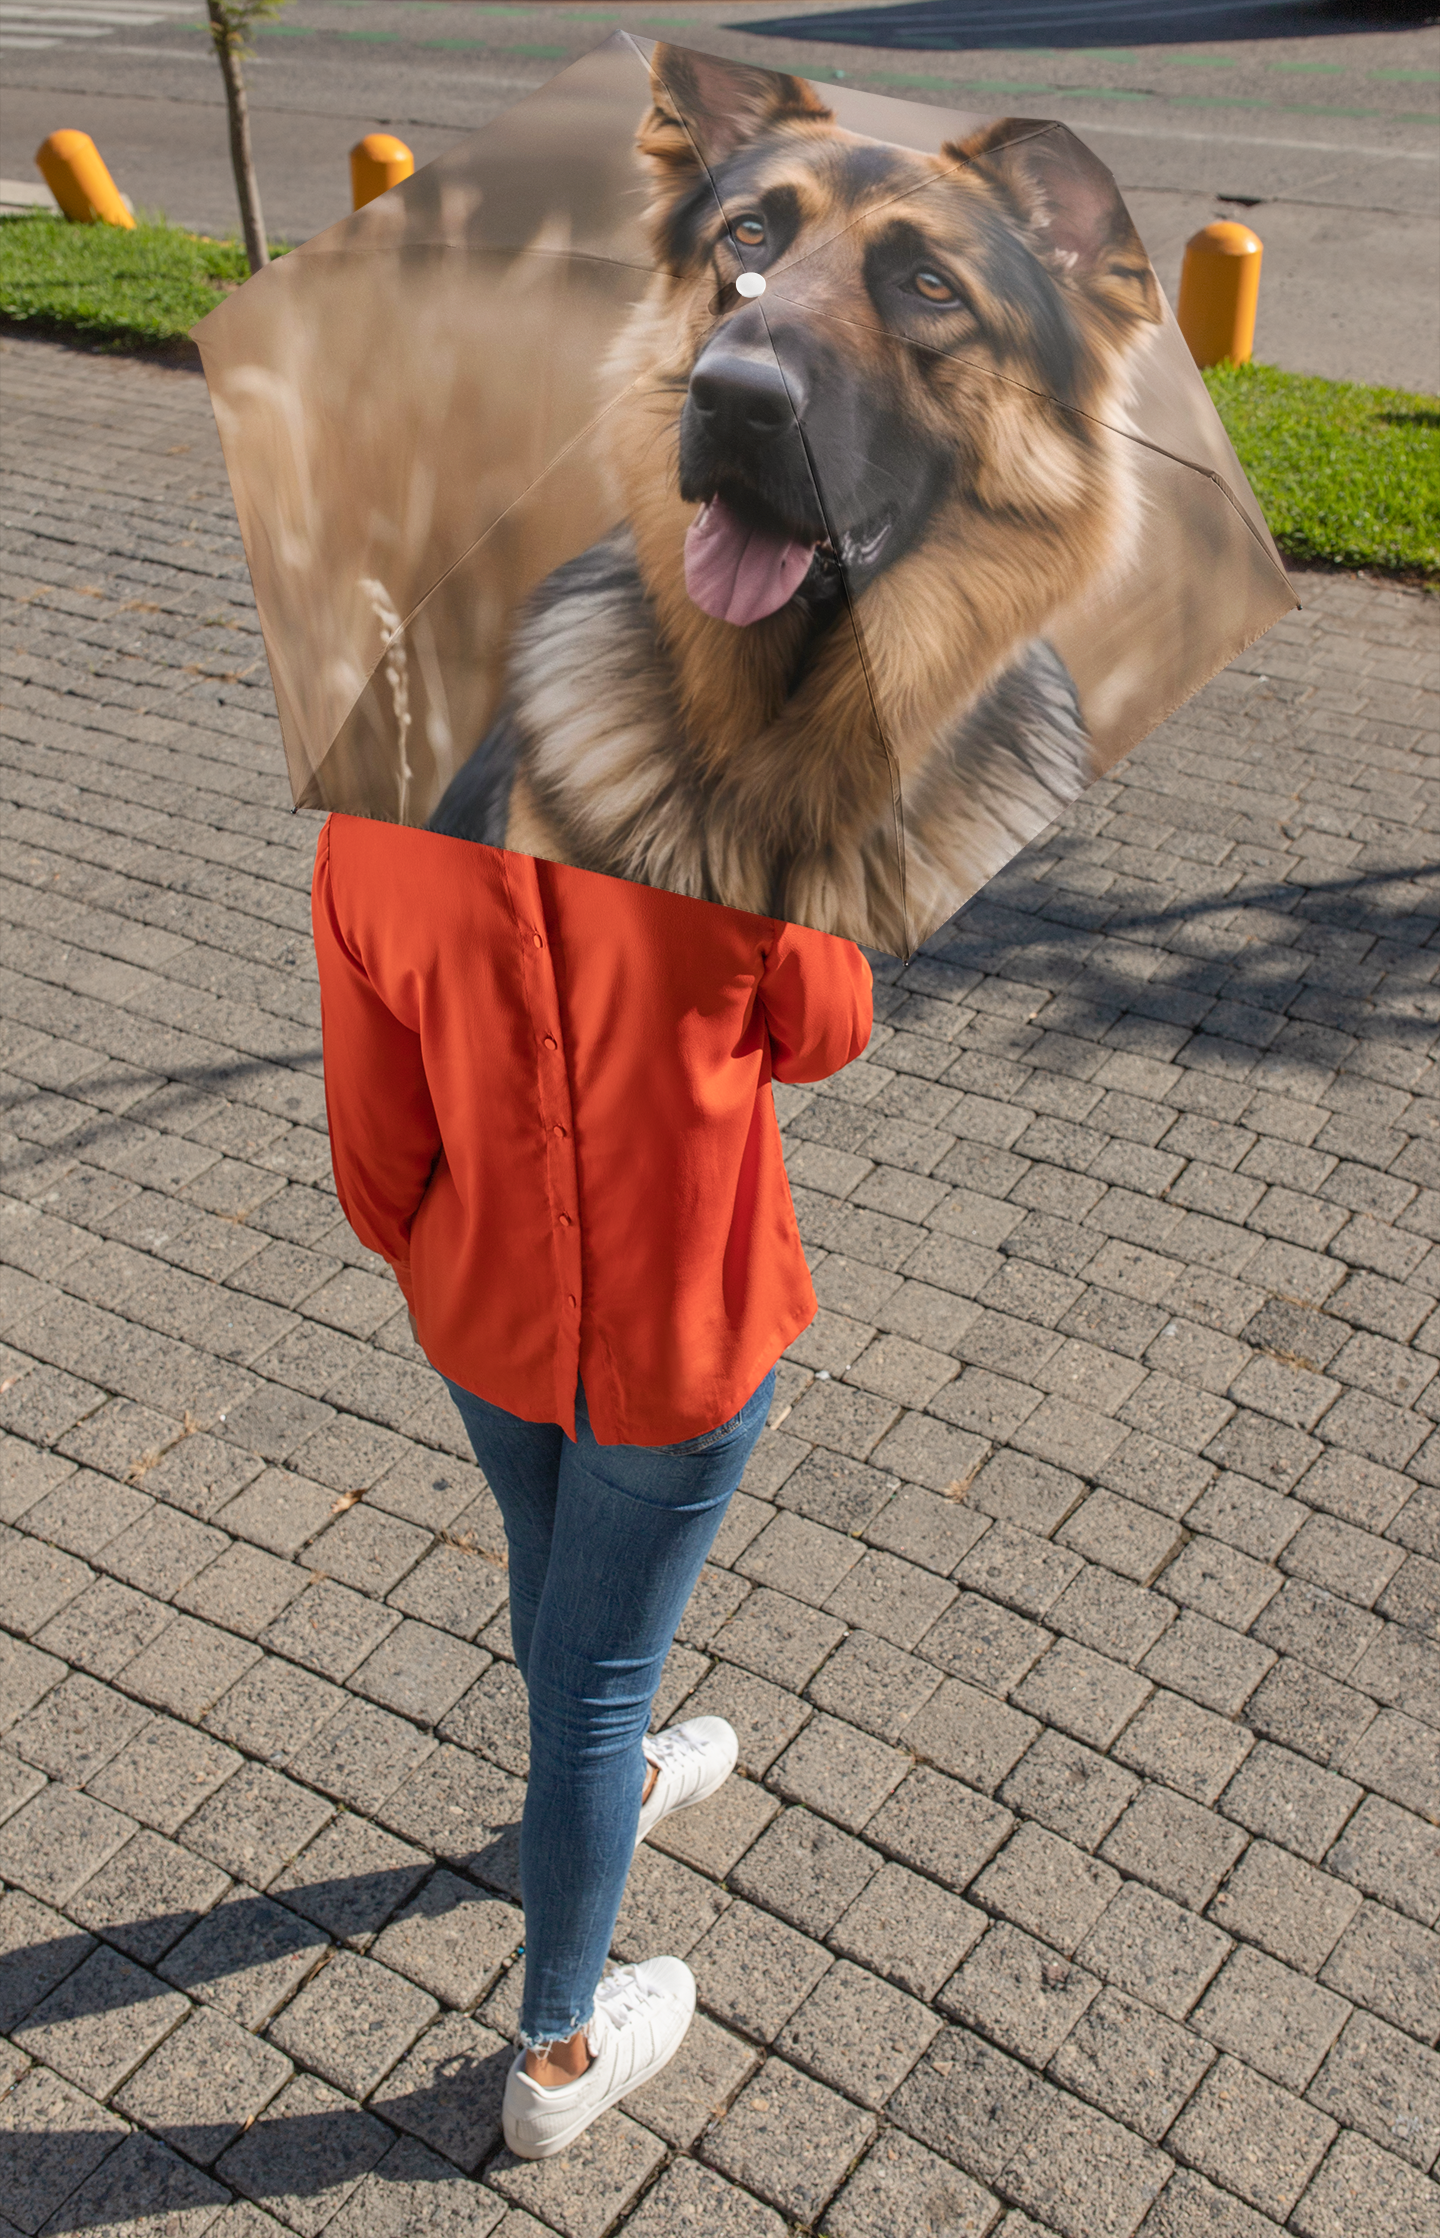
[934,288]
[749,232]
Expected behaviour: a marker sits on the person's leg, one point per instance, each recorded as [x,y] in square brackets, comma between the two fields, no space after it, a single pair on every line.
[633,1525]
[521,1461]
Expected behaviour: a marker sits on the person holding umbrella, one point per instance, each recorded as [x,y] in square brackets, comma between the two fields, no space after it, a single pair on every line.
[550,1112]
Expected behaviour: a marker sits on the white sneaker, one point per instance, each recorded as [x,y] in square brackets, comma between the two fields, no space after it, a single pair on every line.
[641,2015]
[691,1761]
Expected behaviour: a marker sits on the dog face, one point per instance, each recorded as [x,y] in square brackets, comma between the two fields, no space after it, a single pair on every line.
[935,329]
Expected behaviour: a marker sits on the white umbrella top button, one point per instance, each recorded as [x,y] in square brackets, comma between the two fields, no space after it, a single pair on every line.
[750,283]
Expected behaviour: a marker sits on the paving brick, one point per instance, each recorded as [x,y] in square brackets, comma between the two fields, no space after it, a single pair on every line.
[1028,1493]
[752,1971]
[1122,1535]
[899,2191]
[412,2189]
[37,1949]
[1290,1908]
[1390,1966]
[984,1644]
[907,1929]
[1290,1800]
[147,1896]
[51,2137]
[1221,1583]
[202,2084]
[351,1879]
[764,1717]
[1158,1951]
[939,1827]
[279,1510]
[1246,1515]
[255,1824]
[1131,2062]
[100,2022]
[972,2104]
[1362,2188]
[713,1835]
[867,1681]
[1377,2080]
[244,1589]
[1018,1568]
[1157,1474]
[57,1840]
[26,1676]
[1085,2173]
[1252,2137]
[702,2078]
[969,1734]
[1083,1693]
[76,1729]
[1172,1844]
[104,1627]
[798,1557]
[691,2198]
[305,2154]
[164,1774]
[1019,1992]
[778,1638]
[188,1668]
[1396,1757]
[1070,1789]
[847,1495]
[462,1810]
[142,2183]
[1189,2207]
[790,2139]
[857,2034]
[1390,1854]
[245,1958]
[1277,2021]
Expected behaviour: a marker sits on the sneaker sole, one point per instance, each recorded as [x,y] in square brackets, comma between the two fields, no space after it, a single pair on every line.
[558,2144]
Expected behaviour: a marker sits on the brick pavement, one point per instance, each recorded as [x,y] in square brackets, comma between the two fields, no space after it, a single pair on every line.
[1078,1616]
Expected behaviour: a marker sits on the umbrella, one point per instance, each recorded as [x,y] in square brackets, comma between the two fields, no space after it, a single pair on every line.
[782,494]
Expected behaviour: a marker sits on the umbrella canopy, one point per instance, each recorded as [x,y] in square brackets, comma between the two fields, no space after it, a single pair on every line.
[782,494]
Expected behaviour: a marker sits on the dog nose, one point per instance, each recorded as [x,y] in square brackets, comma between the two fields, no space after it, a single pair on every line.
[737,395]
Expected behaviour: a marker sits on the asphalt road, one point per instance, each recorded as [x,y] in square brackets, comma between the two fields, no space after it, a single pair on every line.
[1327,143]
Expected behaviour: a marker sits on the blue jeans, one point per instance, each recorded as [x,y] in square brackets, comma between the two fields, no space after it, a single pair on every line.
[606,1542]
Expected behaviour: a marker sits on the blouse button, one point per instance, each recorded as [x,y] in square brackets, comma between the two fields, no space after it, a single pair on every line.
[537,940]
[570,1301]
[557,1131]
[550,1041]
[564,1219]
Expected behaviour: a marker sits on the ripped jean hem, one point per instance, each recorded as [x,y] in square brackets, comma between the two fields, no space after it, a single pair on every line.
[544,2042]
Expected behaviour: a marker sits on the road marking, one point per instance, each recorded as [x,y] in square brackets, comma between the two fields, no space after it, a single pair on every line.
[46,23]
[1250,140]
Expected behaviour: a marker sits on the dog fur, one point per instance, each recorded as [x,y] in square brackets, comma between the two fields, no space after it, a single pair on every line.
[863,758]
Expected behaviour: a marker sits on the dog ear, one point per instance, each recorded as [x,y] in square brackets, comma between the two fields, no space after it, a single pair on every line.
[1068,200]
[704,108]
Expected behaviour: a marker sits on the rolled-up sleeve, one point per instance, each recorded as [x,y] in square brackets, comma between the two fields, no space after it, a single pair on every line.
[816,994]
[384,1135]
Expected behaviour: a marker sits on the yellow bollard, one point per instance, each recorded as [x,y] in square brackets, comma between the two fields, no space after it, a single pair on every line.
[72,167]
[1219,289]
[377,162]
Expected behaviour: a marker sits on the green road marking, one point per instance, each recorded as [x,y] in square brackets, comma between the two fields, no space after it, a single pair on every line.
[1332,69]
[1207,61]
[998,85]
[1104,93]
[546,54]
[373,36]
[1107,54]
[935,85]
[1409,77]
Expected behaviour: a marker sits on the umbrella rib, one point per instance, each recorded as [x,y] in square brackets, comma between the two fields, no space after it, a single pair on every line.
[414,612]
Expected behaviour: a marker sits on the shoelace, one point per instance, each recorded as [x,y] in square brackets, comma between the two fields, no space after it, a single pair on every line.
[619,1999]
[664,1748]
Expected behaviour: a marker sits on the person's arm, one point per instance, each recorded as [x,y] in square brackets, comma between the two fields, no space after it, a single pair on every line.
[384,1138]
[815,992]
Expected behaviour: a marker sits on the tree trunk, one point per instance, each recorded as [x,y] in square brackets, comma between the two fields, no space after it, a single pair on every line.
[242,158]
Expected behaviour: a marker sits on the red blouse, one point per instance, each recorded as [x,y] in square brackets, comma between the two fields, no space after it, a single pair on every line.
[550,1111]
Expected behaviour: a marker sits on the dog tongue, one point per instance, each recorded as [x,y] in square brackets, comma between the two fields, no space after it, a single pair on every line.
[739,573]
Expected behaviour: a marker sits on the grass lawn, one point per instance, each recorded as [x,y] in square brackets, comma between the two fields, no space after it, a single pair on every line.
[107,285]
[1345,475]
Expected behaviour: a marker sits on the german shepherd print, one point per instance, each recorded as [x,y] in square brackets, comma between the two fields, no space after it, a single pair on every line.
[808,673]
[779,493]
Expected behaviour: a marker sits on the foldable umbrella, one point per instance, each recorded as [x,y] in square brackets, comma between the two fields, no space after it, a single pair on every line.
[778,493]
